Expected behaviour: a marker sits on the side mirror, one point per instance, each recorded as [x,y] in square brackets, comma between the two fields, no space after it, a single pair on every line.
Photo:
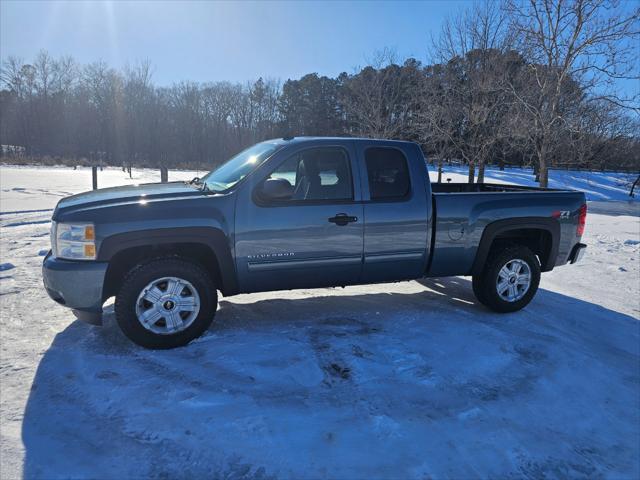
[276,189]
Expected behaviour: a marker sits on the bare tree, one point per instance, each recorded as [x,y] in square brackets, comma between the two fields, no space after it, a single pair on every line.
[473,51]
[104,87]
[441,116]
[19,79]
[138,113]
[590,42]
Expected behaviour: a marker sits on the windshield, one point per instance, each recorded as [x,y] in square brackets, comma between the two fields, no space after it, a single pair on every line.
[234,170]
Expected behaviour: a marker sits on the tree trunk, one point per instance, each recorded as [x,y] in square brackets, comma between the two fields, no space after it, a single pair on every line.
[543,172]
[164,174]
[634,186]
[544,176]
[440,171]
[129,171]
[480,173]
[472,171]
[94,177]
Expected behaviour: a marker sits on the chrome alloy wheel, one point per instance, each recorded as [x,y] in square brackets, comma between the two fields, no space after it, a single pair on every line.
[514,280]
[167,305]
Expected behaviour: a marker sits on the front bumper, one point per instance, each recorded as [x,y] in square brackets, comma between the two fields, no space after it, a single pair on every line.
[577,253]
[77,285]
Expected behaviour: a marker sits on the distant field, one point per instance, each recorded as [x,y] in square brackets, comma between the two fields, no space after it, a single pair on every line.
[26,188]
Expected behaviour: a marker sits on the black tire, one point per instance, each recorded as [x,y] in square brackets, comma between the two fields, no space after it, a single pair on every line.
[476,284]
[485,284]
[140,276]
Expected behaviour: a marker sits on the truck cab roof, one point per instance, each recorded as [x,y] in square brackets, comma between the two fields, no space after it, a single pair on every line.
[316,140]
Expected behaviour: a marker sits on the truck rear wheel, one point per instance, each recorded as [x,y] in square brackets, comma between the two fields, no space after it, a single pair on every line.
[477,289]
[165,303]
[509,280]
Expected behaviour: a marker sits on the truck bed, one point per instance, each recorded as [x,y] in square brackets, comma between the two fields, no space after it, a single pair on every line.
[463,211]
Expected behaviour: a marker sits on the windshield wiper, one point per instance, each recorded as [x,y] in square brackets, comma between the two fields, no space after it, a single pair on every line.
[196,181]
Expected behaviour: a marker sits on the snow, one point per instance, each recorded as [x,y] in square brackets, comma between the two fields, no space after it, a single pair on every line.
[405,380]
[38,189]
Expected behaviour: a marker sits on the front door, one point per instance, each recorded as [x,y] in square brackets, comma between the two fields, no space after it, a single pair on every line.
[312,237]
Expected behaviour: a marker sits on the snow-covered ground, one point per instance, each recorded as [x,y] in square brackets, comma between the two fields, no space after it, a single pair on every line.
[407,380]
[33,188]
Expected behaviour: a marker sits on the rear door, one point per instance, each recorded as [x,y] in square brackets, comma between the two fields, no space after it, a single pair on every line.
[397,211]
[314,238]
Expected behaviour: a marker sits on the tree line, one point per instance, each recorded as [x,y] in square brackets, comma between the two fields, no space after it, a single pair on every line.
[527,82]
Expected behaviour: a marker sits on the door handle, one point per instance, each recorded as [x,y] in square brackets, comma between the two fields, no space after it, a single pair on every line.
[342,219]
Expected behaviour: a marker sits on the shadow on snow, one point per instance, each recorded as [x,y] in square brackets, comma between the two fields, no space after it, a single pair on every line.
[367,385]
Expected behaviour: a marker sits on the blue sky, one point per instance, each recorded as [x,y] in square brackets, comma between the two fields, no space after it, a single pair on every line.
[207,40]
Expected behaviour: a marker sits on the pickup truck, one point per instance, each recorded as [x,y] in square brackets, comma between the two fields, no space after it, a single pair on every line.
[300,213]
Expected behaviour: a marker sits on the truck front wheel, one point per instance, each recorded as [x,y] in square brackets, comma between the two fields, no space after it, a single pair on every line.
[165,303]
[509,280]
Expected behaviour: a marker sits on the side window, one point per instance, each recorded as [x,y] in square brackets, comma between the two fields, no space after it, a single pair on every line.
[388,173]
[317,174]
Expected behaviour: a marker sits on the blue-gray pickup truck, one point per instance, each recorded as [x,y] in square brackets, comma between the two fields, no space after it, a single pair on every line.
[300,213]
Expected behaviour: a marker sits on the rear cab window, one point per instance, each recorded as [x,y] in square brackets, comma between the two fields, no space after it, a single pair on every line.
[388,174]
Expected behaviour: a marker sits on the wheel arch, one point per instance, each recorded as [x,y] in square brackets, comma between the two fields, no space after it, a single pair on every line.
[205,245]
[540,234]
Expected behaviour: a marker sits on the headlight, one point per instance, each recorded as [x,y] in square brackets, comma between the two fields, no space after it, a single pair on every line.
[74,241]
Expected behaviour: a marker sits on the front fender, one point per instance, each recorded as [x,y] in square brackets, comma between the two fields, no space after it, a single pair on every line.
[212,237]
